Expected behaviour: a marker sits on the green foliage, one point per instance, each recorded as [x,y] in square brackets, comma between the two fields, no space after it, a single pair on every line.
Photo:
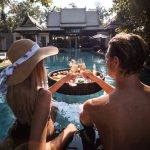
[134,16]
[3,16]
[13,14]
[102,12]
[43,2]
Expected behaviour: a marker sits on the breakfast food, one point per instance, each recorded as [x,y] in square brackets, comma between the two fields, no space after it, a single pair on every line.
[58,75]
[79,80]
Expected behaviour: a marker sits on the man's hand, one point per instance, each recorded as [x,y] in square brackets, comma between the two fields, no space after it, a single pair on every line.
[88,75]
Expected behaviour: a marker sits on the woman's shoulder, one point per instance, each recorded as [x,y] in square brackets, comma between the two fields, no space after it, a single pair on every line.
[43,92]
[44,96]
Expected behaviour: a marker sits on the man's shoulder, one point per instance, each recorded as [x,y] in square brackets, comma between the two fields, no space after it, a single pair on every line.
[96,102]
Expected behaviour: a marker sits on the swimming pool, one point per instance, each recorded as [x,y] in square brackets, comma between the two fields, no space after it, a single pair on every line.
[68,105]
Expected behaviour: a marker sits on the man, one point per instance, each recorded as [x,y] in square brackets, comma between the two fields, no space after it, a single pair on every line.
[122,117]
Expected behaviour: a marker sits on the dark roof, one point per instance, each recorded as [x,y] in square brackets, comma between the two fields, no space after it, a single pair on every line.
[29,24]
[53,19]
[74,17]
[112,24]
[66,18]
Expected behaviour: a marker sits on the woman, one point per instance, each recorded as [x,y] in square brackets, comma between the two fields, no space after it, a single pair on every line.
[29,100]
[122,115]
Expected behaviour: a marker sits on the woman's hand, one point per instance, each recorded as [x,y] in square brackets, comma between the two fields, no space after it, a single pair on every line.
[71,128]
[70,76]
[59,83]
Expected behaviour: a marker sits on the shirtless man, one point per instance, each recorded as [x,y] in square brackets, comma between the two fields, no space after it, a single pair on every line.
[122,116]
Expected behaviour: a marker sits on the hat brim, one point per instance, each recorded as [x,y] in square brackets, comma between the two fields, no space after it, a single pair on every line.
[22,71]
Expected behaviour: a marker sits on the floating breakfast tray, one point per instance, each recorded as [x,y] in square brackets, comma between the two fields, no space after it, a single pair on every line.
[79,88]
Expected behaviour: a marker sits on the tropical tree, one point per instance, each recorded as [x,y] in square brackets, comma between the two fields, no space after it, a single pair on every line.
[3,15]
[34,10]
[43,2]
[12,12]
[102,12]
[134,16]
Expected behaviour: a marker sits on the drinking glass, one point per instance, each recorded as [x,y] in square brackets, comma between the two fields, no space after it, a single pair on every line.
[73,68]
[81,65]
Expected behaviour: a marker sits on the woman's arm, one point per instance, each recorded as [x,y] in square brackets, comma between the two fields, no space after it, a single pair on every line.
[38,133]
[59,142]
[59,83]
[105,86]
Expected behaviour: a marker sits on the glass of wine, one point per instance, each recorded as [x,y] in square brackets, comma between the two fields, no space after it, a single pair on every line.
[73,69]
[81,65]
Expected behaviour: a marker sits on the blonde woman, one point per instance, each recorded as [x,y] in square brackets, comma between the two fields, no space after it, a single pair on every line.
[23,82]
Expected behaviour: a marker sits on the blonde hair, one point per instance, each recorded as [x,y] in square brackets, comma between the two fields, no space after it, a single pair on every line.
[23,96]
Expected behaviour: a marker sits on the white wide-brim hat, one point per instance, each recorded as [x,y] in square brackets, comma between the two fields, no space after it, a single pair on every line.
[18,49]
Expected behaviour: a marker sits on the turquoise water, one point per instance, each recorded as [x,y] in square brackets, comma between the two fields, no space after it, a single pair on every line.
[69,106]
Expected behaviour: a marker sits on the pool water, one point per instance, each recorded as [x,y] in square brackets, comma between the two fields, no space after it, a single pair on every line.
[68,105]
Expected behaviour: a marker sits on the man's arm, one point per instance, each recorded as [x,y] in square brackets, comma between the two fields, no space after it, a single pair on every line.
[146,87]
[85,118]
[105,86]
[92,107]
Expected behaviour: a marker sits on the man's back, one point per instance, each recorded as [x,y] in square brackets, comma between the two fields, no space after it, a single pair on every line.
[123,120]
[122,117]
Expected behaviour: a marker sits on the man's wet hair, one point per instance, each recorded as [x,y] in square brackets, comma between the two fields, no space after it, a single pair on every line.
[132,51]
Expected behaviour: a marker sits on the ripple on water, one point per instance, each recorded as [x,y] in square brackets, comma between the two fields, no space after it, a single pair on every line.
[68,111]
